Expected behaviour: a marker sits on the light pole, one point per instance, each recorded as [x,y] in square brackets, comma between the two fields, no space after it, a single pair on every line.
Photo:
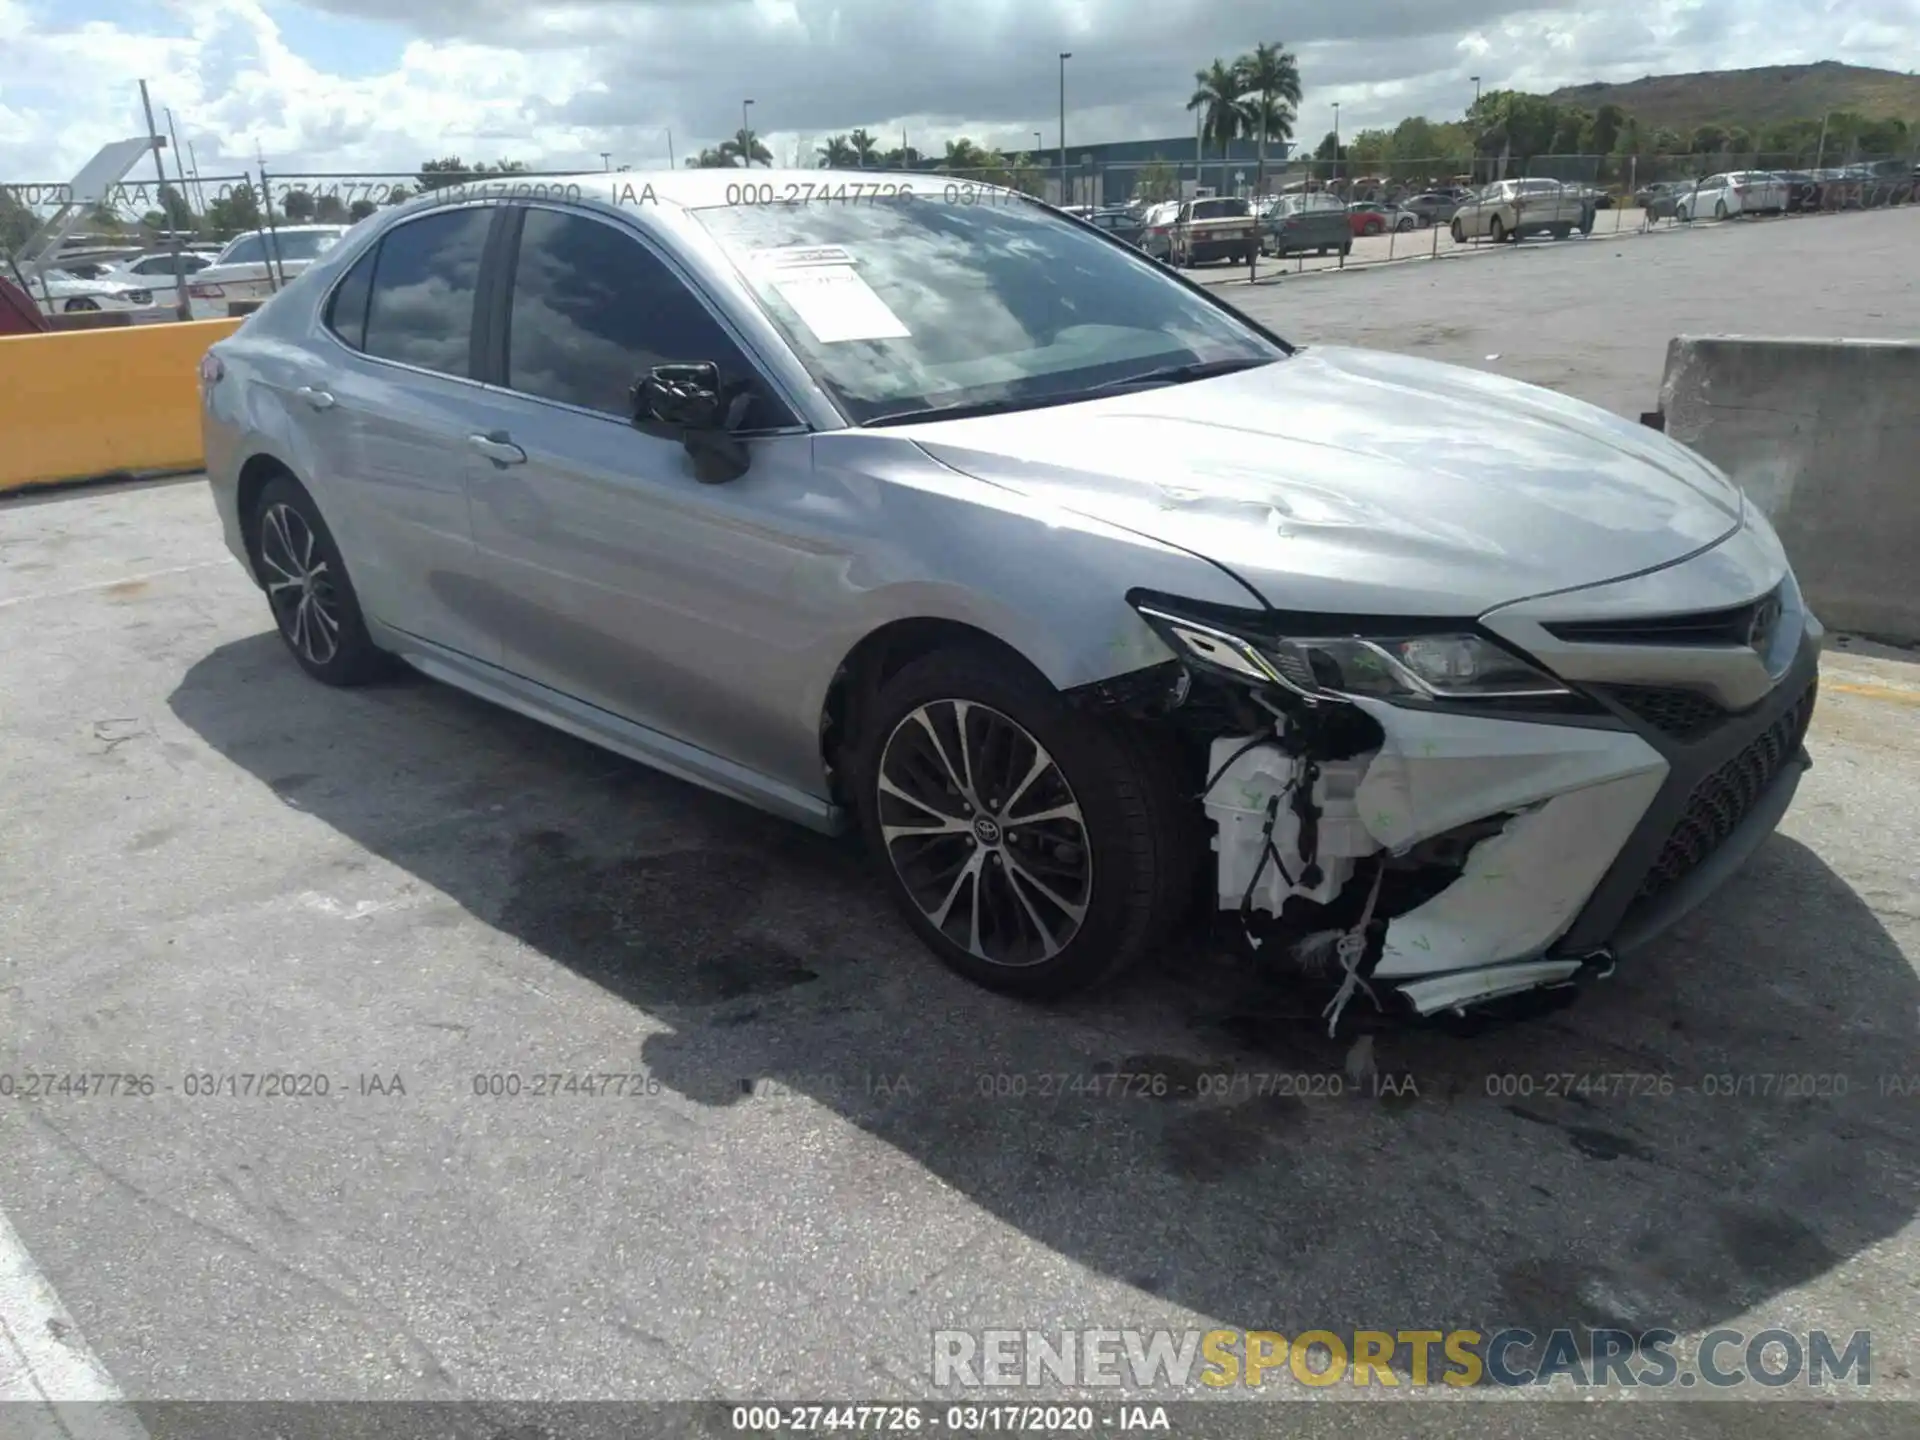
[746,134]
[1336,139]
[1065,55]
[1476,90]
[1039,144]
[606,159]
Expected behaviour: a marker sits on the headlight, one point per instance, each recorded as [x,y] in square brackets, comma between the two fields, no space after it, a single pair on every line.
[1462,666]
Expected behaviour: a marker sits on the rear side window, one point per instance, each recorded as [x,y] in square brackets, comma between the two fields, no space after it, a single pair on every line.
[593,310]
[420,309]
[347,310]
[1220,210]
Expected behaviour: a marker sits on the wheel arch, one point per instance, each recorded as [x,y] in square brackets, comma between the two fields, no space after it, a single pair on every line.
[881,654]
[259,468]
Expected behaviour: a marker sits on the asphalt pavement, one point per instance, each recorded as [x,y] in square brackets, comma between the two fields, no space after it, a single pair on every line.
[807,1147]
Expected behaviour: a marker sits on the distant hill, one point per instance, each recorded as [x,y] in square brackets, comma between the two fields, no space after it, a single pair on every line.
[1756,97]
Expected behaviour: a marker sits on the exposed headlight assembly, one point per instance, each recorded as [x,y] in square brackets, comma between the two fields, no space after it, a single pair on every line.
[1380,666]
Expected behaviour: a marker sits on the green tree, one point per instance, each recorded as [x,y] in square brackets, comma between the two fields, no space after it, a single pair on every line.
[1608,122]
[720,158]
[17,222]
[837,153]
[746,149]
[1156,181]
[903,157]
[1027,175]
[1708,139]
[452,170]
[234,212]
[398,195]
[1370,149]
[360,210]
[1270,78]
[330,210]
[297,207]
[963,154]
[1220,95]
[866,149]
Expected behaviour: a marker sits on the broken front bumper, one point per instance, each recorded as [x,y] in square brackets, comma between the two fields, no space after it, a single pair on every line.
[1604,831]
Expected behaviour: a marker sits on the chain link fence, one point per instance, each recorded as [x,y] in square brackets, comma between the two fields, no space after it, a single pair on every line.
[1304,213]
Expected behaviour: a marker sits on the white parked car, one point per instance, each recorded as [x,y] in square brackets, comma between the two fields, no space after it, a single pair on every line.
[1156,234]
[1737,192]
[59,293]
[155,271]
[254,265]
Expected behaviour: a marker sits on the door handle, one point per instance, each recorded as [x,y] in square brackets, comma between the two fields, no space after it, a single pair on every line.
[498,448]
[318,399]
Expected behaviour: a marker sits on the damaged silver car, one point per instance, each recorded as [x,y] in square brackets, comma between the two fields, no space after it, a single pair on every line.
[918,506]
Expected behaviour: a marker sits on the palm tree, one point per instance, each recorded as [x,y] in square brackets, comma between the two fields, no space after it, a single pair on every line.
[903,157]
[963,154]
[746,148]
[837,153]
[720,159]
[865,148]
[1271,75]
[1221,98]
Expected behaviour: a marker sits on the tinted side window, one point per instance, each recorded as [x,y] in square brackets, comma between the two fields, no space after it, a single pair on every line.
[593,309]
[250,251]
[347,311]
[420,311]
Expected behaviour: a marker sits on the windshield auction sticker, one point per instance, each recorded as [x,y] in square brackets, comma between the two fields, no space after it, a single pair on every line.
[836,304]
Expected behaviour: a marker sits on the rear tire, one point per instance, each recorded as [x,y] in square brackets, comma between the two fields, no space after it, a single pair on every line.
[1459,235]
[1719,209]
[308,589]
[1562,232]
[1497,231]
[969,749]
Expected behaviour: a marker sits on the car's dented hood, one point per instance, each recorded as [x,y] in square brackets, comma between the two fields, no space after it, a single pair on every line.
[1362,482]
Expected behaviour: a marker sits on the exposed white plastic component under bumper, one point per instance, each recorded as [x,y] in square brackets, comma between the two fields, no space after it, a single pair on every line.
[1471,987]
[1571,794]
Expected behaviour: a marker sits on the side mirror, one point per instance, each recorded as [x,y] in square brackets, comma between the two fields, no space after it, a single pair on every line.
[692,401]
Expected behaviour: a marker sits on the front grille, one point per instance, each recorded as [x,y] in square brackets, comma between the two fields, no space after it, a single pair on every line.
[1721,801]
[1682,714]
[1731,626]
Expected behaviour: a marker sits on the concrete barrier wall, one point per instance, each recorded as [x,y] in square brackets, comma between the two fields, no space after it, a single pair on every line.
[102,402]
[1824,436]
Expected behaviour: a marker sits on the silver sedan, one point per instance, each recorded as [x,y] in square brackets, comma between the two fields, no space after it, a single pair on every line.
[912,506]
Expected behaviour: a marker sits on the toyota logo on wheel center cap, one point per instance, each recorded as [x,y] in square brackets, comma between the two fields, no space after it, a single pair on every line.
[987,830]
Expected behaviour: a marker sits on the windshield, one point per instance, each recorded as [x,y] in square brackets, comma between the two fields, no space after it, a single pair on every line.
[906,304]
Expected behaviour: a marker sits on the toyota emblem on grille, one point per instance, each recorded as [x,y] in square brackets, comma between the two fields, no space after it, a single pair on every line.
[1766,615]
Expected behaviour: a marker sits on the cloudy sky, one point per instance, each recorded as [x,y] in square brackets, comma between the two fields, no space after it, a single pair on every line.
[345,85]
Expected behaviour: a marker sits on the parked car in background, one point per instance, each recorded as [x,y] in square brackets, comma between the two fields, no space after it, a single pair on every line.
[1375,217]
[1433,207]
[1661,200]
[1803,190]
[154,270]
[1156,229]
[1303,224]
[1513,209]
[1737,192]
[1218,227]
[254,265]
[59,293]
[1119,221]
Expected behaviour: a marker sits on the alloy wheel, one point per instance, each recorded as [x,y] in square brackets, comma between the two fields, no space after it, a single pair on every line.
[984,832]
[299,585]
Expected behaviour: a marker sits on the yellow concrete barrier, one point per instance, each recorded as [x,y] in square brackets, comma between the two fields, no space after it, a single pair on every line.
[102,402]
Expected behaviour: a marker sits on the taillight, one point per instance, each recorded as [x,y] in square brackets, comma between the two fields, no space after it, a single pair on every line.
[206,292]
[212,372]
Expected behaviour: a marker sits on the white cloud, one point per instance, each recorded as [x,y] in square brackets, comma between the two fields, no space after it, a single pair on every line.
[373,85]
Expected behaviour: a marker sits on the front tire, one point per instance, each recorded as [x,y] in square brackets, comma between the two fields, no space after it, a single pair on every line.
[308,589]
[1719,209]
[1035,849]
[1497,231]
